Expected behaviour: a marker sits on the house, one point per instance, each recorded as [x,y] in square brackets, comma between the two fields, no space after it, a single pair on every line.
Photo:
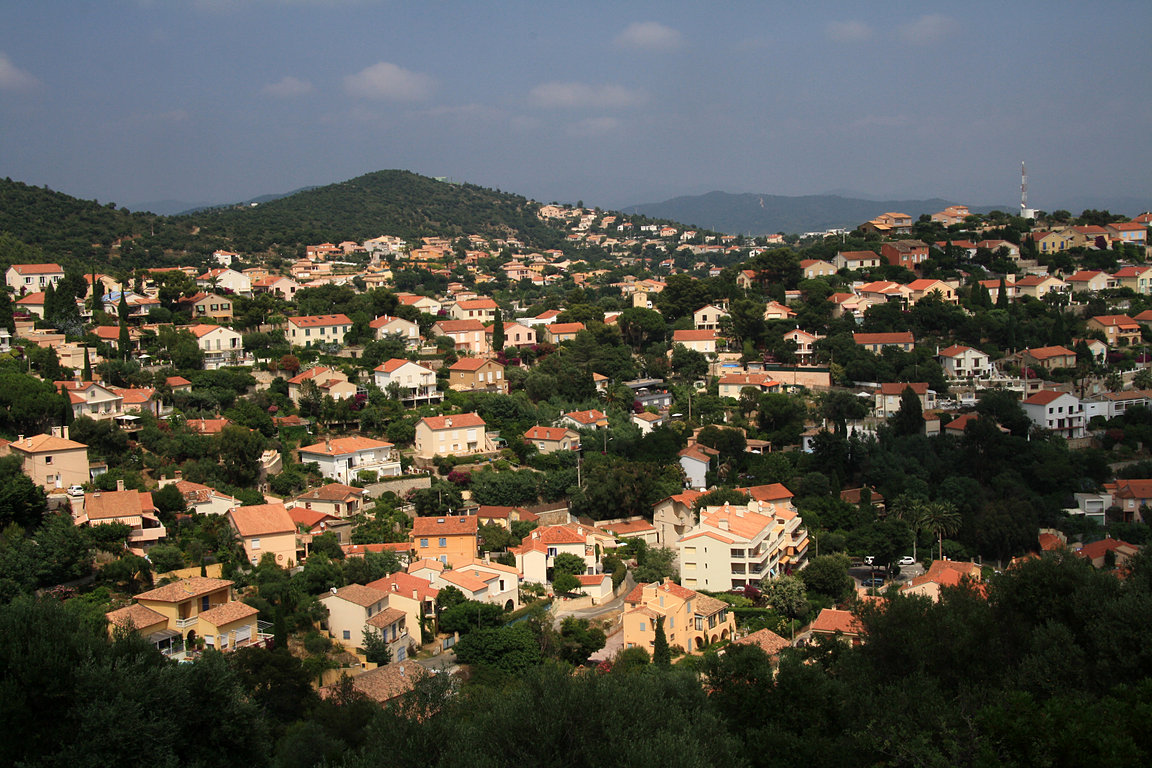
[483,581]
[277,285]
[355,608]
[732,384]
[477,374]
[1054,241]
[1132,497]
[515,335]
[766,640]
[265,529]
[924,287]
[1059,412]
[504,516]
[228,279]
[201,499]
[875,342]
[597,586]
[890,394]
[132,508]
[53,461]
[849,304]
[386,326]
[591,419]
[206,305]
[1137,278]
[1086,281]
[415,384]
[959,362]
[327,381]
[691,621]
[31,303]
[774,310]
[805,345]
[334,499]
[699,341]
[648,421]
[198,607]
[1119,330]
[1127,232]
[537,552]
[425,304]
[221,346]
[674,516]
[307,330]
[345,459]
[708,317]
[467,336]
[449,539]
[882,291]
[734,545]
[910,254]
[555,333]
[838,623]
[1039,286]
[942,573]
[415,596]
[633,528]
[1049,357]
[32,278]
[856,260]
[695,460]
[482,309]
[814,268]
[455,435]
[384,684]
[92,399]
[552,439]
[1099,552]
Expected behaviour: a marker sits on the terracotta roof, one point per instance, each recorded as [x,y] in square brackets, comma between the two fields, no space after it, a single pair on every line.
[331,492]
[560,328]
[110,504]
[395,363]
[554,434]
[315,321]
[358,594]
[766,640]
[898,387]
[404,584]
[1044,397]
[344,445]
[455,421]
[386,617]
[630,527]
[883,338]
[184,589]
[455,525]
[587,417]
[469,582]
[1045,353]
[707,335]
[472,364]
[459,326]
[387,682]
[592,579]
[136,616]
[45,443]
[833,620]
[261,520]
[309,518]
[1098,549]
[228,613]
[946,573]
[1049,542]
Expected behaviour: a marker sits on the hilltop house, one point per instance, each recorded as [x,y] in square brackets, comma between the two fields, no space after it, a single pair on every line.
[457,435]
[345,459]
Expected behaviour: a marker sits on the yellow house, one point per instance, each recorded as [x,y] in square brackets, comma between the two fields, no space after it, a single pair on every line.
[354,607]
[187,609]
[691,620]
[447,539]
[53,462]
[265,528]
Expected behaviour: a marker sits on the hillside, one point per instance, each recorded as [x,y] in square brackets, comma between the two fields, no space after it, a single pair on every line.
[752,214]
[385,202]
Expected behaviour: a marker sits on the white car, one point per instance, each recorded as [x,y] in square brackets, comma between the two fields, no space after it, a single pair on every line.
[76,491]
[906,560]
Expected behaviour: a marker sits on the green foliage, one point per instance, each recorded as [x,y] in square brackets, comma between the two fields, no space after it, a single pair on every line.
[376,650]
[510,649]
[661,653]
[565,583]
[565,562]
[470,615]
[828,575]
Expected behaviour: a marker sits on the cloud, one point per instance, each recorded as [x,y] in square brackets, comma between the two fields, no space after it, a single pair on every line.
[385,80]
[287,87]
[649,36]
[583,95]
[927,29]
[849,31]
[595,126]
[12,78]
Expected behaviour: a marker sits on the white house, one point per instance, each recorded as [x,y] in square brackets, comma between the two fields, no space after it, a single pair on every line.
[343,458]
[30,278]
[306,330]
[1059,412]
[227,279]
[417,383]
[959,361]
[387,326]
[221,346]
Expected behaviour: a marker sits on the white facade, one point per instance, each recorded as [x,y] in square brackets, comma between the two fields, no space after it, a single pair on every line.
[1059,412]
[735,546]
[342,459]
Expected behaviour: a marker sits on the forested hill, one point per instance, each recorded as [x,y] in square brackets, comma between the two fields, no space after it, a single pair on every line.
[39,224]
[385,202]
[60,225]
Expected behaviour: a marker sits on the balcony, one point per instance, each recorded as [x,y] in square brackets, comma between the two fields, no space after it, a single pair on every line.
[188,622]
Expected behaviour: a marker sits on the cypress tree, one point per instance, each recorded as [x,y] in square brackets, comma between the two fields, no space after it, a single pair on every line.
[497,331]
[87,375]
[661,653]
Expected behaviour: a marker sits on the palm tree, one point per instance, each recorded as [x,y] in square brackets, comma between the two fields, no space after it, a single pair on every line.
[911,509]
[940,518]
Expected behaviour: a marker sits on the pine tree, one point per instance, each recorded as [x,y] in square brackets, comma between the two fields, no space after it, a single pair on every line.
[661,653]
[497,331]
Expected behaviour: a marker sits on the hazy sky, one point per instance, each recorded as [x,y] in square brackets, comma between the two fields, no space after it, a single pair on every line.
[613,103]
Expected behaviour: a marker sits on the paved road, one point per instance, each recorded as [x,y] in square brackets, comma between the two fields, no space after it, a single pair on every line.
[595,611]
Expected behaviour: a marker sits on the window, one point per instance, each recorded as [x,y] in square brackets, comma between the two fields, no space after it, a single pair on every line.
[424,543]
[443,542]
[347,634]
[47,459]
[255,544]
[204,604]
[642,627]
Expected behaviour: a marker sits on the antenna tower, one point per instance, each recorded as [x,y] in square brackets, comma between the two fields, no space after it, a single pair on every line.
[1023,189]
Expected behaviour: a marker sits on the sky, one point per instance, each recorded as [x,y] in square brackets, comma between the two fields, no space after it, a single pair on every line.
[611,103]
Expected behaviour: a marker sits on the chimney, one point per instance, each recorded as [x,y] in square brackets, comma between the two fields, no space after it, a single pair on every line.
[415,595]
[722,524]
[395,587]
[64,431]
[328,444]
[448,422]
[119,485]
[179,475]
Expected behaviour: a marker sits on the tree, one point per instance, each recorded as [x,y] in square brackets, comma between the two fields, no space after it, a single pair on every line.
[564,583]
[497,331]
[165,557]
[828,575]
[661,652]
[566,562]
[941,519]
[376,650]
[909,418]
[509,649]
[579,639]
[787,596]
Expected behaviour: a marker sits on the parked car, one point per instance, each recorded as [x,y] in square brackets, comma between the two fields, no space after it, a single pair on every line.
[906,560]
[869,560]
[875,581]
[76,491]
